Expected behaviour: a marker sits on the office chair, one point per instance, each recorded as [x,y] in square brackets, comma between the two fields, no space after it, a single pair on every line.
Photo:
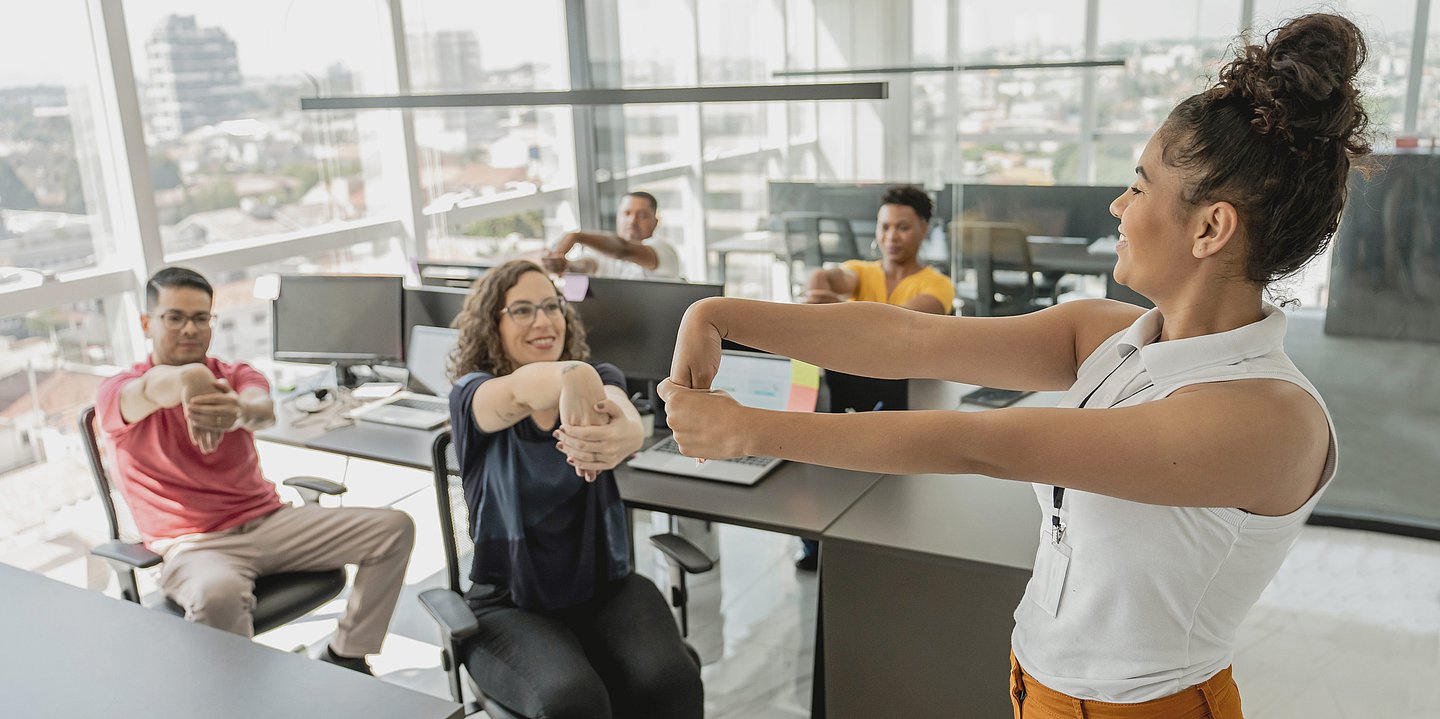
[446,605]
[1005,276]
[813,239]
[279,598]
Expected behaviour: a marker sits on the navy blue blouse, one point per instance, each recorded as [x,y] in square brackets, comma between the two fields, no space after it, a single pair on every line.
[539,529]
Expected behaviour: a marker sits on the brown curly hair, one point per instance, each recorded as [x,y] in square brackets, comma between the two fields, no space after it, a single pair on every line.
[1275,137]
[480,348]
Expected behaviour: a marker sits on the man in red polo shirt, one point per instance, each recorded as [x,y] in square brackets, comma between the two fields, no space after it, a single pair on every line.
[180,426]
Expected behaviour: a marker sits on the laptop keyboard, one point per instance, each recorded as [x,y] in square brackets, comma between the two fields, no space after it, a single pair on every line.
[668,445]
[411,403]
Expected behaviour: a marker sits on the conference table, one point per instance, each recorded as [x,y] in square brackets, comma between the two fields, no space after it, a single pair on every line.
[919,574]
[69,652]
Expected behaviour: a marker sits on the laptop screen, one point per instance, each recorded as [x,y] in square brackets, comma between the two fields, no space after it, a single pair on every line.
[767,381]
[427,356]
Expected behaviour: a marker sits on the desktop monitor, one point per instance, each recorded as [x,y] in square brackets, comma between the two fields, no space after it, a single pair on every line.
[1045,210]
[346,319]
[632,323]
[433,306]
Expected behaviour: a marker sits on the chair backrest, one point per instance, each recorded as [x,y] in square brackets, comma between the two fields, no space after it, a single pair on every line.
[1003,245]
[103,487]
[455,529]
[817,238]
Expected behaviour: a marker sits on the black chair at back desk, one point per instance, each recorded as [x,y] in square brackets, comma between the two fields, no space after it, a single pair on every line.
[1005,275]
[279,598]
[813,239]
[446,605]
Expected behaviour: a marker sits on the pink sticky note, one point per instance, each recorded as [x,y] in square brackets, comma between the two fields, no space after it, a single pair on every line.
[802,398]
[575,287]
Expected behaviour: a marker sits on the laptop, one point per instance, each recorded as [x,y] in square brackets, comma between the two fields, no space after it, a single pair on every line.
[426,402]
[754,379]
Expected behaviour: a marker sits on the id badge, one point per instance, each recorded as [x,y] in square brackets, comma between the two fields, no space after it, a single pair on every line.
[1052,563]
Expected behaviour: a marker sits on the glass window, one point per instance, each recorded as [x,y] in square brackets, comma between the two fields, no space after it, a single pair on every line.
[1022,31]
[51,364]
[1389,27]
[1428,119]
[1171,51]
[232,155]
[476,156]
[53,205]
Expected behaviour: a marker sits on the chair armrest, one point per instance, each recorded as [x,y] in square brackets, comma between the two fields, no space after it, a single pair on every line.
[450,612]
[133,555]
[323,486]
[683,552]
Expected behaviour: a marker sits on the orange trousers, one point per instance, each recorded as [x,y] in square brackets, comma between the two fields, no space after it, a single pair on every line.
[1216,698]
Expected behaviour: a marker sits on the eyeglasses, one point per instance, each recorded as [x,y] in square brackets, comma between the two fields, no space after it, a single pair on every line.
[524,312]
[177,320]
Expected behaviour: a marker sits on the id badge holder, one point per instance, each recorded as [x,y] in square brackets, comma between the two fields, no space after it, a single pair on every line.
[1052,563]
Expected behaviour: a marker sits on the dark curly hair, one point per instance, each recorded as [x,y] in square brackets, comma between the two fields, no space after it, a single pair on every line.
[480,348]
[1275,138]
[911,197]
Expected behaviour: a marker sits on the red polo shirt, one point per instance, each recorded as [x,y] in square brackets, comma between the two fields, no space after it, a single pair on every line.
[171,488]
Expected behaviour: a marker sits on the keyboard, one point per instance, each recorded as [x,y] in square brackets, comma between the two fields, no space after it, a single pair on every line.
[670,446]
[411,403]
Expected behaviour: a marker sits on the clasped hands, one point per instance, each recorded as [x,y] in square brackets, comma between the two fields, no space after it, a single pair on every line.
[212,408]
[594,438]
[705,423]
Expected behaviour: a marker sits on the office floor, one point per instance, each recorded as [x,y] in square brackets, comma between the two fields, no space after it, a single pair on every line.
[1349,629]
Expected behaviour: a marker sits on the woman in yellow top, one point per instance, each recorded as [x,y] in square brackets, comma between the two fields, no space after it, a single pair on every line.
[897,278]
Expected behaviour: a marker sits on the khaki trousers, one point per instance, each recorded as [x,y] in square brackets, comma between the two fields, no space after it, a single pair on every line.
[1215,698]
[213,575]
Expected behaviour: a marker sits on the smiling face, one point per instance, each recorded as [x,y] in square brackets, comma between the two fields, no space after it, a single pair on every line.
[190,342]
[635,219]
[543,339]
[1154,250]
[898,233]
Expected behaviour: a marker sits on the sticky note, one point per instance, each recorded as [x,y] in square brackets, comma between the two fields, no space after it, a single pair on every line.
[574,287]
[802,399]
[803,374]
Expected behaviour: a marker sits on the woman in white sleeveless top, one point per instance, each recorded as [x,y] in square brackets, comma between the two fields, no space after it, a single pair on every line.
[1192,448]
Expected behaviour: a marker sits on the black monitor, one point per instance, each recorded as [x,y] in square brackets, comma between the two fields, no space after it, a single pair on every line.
[1045,210]
[433,306]
[632,323]
[345,319]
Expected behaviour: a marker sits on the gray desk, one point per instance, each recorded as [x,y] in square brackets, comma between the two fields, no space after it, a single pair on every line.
[921,578]
[73,653]
[798,499]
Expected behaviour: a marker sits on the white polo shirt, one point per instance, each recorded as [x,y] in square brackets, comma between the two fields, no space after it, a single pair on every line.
[1153,595]
[606,266]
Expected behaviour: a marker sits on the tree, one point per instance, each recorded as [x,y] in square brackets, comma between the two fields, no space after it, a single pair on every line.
[164,173]
[13,192]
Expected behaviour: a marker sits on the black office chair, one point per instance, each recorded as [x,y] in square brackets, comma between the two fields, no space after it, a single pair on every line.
[279,598]
[813,239]
[447,604]
[1005,276]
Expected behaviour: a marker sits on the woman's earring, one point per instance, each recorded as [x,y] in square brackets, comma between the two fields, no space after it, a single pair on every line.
[874,248]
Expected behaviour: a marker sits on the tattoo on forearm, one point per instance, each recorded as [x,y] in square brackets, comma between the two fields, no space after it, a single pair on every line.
[570,367]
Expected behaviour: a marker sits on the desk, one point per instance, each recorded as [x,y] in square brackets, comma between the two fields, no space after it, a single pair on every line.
[73,653]
[1050,254]
[921,578]
[760,242]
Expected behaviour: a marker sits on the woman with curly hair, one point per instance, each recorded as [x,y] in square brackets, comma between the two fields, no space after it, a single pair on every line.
[1188,450]
[567,629]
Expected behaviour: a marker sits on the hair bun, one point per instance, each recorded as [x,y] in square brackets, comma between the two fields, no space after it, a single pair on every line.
[1301,83]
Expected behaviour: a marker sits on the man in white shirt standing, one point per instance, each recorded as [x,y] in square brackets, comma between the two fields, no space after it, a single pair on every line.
[632,253]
